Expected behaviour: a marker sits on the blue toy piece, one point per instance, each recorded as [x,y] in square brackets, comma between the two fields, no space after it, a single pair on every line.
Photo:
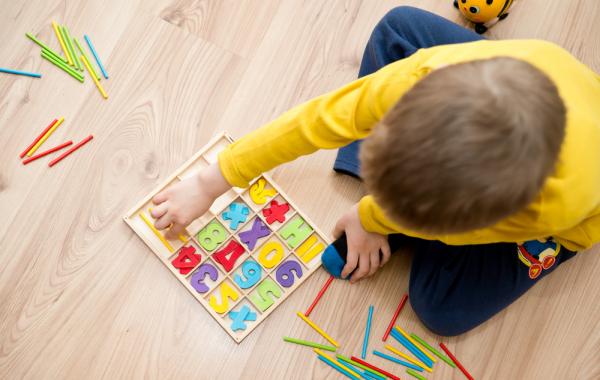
[238,213]
[239,317]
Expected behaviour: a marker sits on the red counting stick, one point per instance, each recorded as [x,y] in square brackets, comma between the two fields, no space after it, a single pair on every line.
[319,295]
[47,152]
[73,149]
[38,138]
[455,360]
[393,321]
[354,358]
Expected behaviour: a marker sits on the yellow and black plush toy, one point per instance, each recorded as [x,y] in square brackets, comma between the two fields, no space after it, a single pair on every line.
[483,13]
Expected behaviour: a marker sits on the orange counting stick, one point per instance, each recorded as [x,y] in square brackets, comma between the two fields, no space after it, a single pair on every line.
[38,138]
[45,153]
[73,149]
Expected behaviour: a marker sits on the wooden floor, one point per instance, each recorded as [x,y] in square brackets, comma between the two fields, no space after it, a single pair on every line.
[82,297]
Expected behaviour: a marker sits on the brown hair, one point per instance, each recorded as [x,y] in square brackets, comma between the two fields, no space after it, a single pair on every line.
[467,146]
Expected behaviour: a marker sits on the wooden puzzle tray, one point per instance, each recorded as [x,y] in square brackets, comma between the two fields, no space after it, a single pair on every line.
[245,256]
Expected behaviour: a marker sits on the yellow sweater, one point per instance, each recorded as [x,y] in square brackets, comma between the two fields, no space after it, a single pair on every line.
[567,208]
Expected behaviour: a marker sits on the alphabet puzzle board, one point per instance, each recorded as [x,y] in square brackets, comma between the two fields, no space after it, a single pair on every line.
[245,256]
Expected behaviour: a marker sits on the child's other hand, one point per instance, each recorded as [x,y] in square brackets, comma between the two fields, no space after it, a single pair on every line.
[363,246]
[178,205]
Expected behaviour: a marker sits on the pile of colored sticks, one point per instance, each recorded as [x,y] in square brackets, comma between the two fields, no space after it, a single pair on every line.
[42,137]
[75,57]
[424,356]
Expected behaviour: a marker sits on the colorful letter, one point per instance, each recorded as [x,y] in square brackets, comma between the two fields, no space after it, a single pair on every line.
[295,231]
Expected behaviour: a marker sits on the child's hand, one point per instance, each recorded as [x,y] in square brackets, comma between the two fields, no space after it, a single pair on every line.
[178,205]
[363,246]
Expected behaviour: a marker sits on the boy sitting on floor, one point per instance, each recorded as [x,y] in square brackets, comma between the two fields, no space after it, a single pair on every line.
[483,156]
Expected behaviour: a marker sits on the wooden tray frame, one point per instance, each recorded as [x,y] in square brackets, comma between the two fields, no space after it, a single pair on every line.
[204,157]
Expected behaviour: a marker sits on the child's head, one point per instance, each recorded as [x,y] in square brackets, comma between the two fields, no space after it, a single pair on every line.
[467,146]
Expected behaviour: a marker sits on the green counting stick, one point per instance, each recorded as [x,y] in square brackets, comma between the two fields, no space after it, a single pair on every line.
[45,47]
[309,344]
[68,41]
[415,374]
[433,350]
[86,57]
[63,66]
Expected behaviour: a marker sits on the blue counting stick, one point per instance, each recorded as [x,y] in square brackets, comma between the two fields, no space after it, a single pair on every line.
[363,354]
[396,360]
[411,347]
[239,317]
[95,54]
[238,213]
[371,376]
[337,367]
[18,72]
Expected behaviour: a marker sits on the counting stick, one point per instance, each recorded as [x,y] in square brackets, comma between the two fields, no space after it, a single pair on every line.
[95,54]
[433,350]
[321,353]
[44,46]
[82,52]
[348,360]
[156,232]
[23,153]
[62,43]
[318,329]
[65,38]
[17,72]
[367,332]
[61,65]
[407,358]
[412,348]
[47,152]
[318,297]
[384,372]
[45,137]
[416,344]
[89,69]
[68,152]
[398,361]
[455,360]
[415,374]
[396,313]
[337,368]
[69,40]
[309,344]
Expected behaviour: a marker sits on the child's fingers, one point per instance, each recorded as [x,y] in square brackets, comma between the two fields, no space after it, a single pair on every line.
[160,197]
[374,262]
[386,253]
[363,268]
[163,222]
[351,261]
[159,210]
[174,231]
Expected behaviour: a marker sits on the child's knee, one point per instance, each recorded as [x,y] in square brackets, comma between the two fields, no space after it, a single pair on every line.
[440,320]
[403,15]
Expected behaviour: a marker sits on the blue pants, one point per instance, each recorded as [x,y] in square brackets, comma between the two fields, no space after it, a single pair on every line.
[452,288]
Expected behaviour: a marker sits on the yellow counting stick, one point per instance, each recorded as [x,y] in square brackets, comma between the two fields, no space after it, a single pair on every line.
[408,358]
[62,43]
[89,69]
[45,137]
[410,339]
[319,352]
[156,232]
[318,329]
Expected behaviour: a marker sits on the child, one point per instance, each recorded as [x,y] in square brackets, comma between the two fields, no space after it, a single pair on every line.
[482,156]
